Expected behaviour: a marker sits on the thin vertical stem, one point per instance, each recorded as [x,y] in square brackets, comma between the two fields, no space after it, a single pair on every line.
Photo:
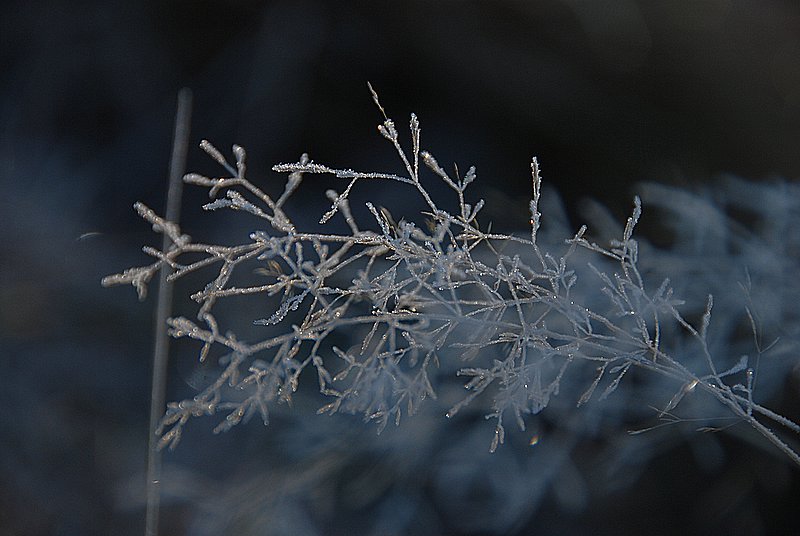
[180,144]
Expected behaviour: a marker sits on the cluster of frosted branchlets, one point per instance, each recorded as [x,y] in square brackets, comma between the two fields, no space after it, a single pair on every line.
[420,304]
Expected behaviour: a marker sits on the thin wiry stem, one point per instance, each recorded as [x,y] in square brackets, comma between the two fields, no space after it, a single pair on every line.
[177,167]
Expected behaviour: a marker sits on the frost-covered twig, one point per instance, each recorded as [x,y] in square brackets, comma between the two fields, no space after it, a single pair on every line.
[521,319]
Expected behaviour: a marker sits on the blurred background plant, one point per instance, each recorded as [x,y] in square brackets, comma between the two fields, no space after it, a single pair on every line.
[672,94]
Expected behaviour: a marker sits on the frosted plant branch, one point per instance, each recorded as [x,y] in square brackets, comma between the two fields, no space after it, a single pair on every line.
[520,319]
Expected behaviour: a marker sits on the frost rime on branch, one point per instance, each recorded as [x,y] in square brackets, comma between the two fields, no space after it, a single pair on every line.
[519,320]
